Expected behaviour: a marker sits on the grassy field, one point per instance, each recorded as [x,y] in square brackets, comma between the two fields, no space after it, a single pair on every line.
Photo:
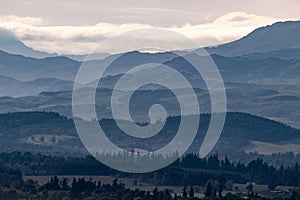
[268,148]
[130,183]
[104,179]
[256,188]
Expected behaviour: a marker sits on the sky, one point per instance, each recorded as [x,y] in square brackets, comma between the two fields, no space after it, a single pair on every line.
[77,27]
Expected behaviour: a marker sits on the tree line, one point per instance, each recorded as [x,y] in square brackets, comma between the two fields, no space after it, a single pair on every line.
[188,170]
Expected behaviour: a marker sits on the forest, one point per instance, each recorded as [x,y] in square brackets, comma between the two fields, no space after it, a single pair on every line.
[212,173]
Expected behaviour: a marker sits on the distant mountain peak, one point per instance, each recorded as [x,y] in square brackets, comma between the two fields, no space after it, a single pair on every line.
[280,35]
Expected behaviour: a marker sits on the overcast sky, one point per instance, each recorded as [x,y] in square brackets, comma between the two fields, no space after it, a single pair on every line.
[78,26]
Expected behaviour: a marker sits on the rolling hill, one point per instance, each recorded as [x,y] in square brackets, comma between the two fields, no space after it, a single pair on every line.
[52,133]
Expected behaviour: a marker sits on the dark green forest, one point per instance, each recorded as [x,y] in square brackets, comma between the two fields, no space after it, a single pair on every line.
[213,173]
[189,170]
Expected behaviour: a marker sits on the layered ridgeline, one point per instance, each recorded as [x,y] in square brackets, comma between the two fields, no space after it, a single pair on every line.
[261,75]
[268,55]
[279,102]
[248,69]
[54,134]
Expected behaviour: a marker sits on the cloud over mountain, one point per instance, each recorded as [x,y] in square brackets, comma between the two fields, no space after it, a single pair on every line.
[35,32]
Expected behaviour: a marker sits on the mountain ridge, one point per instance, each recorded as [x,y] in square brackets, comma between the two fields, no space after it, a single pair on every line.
[280,35]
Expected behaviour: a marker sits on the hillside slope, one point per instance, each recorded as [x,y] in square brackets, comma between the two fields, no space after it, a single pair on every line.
[280,35]
[52,133]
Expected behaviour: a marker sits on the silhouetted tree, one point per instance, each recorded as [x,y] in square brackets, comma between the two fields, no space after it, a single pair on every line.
[209,190]
[184,192]
[191,192]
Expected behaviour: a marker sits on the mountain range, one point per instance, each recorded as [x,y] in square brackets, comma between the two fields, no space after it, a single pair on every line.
[261,72]
[268,55]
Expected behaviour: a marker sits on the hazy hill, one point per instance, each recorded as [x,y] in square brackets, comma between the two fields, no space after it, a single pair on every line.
[15,88]
[28,69]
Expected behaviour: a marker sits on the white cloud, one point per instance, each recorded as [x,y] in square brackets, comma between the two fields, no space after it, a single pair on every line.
[83,39]
[225,28]
[35,21]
